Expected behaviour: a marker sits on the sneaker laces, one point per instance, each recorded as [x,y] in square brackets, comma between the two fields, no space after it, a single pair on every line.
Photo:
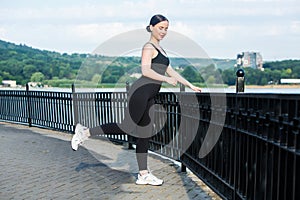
[150,175]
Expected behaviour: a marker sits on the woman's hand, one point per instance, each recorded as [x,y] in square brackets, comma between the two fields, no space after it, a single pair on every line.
[195,88]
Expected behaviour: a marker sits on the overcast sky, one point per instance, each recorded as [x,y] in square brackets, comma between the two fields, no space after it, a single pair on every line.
[223,28]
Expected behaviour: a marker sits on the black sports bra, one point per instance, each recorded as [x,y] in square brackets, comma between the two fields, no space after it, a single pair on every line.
[160,63]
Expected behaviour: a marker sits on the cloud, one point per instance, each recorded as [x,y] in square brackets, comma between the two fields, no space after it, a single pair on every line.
[72,13]
[2,32]
[219,32]
[75,25]
[95,32]
[183,28]
[295,27]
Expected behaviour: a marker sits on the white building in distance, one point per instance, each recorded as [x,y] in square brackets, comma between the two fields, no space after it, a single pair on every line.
[250,59]
[9,83]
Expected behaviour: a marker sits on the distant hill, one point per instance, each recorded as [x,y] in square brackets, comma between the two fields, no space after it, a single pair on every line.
[200,62]
[24,64]
[20,62]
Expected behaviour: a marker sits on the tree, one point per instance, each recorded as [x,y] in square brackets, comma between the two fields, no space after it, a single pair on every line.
[211,80]
[96,78]
[229,76]
[7,75]
[28,70]
[37,77]
[112,74]
[208,71]
[274,75]
[286,73]
[191,74]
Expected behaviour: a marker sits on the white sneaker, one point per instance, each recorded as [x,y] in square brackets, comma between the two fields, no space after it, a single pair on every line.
[148,179]
[81,134]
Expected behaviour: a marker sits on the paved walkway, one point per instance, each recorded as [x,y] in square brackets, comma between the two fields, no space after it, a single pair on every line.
[40,164]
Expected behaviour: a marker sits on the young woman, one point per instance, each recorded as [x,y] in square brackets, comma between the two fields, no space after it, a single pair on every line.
[155,65]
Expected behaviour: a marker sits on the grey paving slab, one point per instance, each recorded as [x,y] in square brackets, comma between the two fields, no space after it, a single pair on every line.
[40,164]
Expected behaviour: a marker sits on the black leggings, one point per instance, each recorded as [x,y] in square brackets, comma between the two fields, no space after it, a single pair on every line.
[138,121]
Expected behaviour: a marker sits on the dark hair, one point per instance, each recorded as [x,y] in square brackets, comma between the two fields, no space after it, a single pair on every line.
[155,20]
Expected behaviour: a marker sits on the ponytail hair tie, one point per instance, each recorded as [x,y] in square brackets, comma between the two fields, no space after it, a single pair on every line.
[148,29]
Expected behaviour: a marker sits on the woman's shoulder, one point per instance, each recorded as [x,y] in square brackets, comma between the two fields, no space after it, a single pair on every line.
[149,49]
[148,45]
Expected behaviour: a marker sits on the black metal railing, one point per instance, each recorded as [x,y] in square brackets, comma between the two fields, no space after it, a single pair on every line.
[256,154]
[13,106]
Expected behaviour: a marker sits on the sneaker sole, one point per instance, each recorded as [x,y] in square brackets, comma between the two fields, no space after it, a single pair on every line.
[72,146]
[149,184]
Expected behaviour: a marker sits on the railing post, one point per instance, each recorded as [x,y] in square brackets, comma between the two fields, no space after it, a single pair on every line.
[183,168]
[28,106]
[182,87]
[73,88]
[75,106]
[236,141]
[296,126]
[240,80]
[127,87]
[130,138]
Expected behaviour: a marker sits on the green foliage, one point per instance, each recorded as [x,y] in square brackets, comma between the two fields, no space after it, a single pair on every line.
[112,74]
[20,62]
[191,74]
[96,78]
[37,77]
[55,82]
[211,74]
[28,70]
[273,72]
[25,64]
[228,76]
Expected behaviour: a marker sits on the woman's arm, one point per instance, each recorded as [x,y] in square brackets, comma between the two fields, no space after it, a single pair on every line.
[172,73]
[148,53]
